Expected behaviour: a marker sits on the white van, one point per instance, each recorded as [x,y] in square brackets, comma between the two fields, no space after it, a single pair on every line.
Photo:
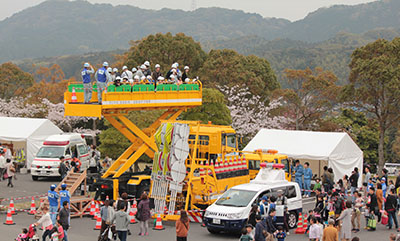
[69,145]
[231,211]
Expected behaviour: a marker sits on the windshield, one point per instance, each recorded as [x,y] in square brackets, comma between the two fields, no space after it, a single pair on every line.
[236,198]
[50,152]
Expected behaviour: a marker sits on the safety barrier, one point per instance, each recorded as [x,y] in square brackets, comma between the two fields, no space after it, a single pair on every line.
[138,88]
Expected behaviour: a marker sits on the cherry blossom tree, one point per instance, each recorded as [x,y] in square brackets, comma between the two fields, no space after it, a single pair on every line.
[21,107]
[250,114]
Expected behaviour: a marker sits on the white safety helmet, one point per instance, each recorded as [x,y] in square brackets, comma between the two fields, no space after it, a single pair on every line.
[125,77]
[187,80]
[134,70]
[136,77]
[157,66]
[109,69]
[160,78]
[143,66]
[115,70]
[174,66]
[118,78]
[86,65]
[143,78]
[148,77]
[177,64]
[125,67]
[105,64]
[147,63]
[186,67]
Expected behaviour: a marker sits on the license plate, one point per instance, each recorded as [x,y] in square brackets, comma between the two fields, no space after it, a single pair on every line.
[216,221]
[43,172]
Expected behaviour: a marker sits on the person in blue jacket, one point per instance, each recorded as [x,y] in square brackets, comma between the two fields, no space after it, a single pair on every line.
[52,196]
[298,175]
[263,205]
[102,77]
[307,179]
[64,194]
[87,82]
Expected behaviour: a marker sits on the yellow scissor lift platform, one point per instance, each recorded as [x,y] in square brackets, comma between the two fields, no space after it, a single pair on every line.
[117,102]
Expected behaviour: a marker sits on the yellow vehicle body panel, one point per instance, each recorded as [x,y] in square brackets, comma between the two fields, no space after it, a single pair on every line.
[123,102]
[137,180]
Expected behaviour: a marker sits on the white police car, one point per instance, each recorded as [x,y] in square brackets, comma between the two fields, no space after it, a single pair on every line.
[231,211]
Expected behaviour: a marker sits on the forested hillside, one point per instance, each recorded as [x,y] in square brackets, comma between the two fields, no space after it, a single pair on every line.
[76,27]
[332,54]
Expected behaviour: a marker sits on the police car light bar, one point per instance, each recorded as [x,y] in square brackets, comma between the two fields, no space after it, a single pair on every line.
[271,165]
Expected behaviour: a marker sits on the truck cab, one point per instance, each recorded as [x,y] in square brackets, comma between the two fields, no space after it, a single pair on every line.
[47,159]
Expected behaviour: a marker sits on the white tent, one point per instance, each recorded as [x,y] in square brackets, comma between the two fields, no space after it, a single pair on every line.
[338,149]
[26,133]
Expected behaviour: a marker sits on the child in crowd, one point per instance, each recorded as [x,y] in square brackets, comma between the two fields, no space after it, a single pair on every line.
[22,236]
[246,233]
[370,184]
[391,186]
[317,184]
[310,216]
[356,214]
[281,235]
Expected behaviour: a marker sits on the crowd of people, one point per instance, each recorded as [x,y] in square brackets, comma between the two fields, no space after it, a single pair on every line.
[339,206]
[142,74]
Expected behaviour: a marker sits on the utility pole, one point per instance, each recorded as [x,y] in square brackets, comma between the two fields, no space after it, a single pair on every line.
[193,6]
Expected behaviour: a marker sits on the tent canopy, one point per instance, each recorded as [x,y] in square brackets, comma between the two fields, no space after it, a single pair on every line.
[31,131]
[341,152]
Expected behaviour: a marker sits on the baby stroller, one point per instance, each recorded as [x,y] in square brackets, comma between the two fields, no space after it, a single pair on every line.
[29,236]
[108,234]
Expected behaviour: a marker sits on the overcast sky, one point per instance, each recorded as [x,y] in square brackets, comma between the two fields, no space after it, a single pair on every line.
[289,9]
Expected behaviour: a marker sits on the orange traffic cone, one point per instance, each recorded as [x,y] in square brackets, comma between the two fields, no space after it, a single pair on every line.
[33,207]
[299,229]
[134,206]
[92,208]
[98,222]
[305,225]
[9,220]
[96,212]
[159,225]
[244,164]
[73,96]
[12,208]
[132,215]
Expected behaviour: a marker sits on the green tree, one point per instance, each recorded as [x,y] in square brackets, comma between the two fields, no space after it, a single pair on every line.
[375,85]
[213,109]
[362,130]
[13,81]
[166,49]
[228,68]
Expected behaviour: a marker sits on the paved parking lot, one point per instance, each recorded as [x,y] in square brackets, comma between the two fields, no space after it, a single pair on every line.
[82,229]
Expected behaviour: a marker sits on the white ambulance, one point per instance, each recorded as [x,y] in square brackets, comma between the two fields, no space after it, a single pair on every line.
[69,145]
[231,211]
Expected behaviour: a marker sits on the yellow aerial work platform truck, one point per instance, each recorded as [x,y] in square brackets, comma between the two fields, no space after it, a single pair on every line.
[213,164]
